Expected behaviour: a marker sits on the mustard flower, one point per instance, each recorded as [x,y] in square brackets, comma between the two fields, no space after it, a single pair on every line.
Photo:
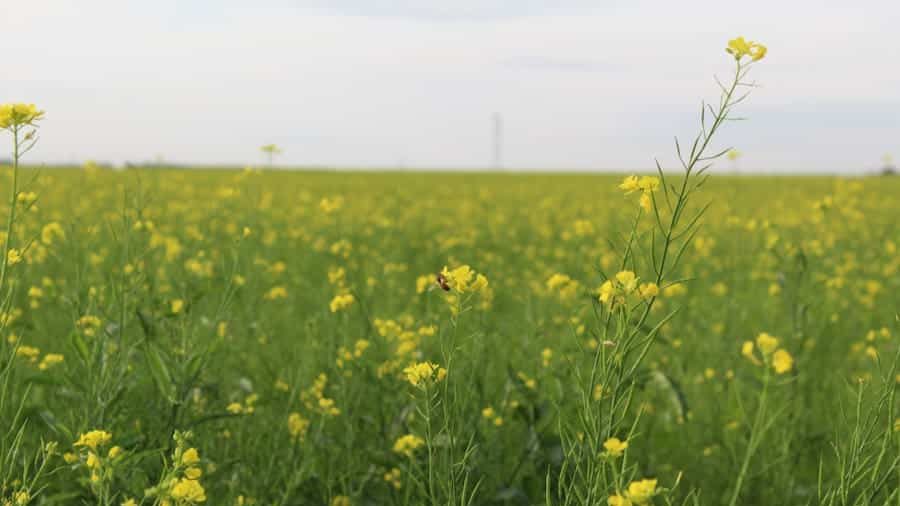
[93,439]
[340,302]
[189,491]
[640,492]
[15,115]
[424,372]
[615,447]
[782,361]
[408,444]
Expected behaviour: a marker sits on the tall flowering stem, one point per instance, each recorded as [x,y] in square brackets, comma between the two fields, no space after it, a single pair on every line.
[16,118]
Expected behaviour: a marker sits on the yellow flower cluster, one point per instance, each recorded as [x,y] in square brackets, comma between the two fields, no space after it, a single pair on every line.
[615,291]
[564,285]
[90,443]
[297,426]
[614,447]
[424,373]
[15,115]
[94,439]
[341,302]
[639,493]
[780,360]
[463,279]
[740,48]
[645,184]
[315,400]
[408,444]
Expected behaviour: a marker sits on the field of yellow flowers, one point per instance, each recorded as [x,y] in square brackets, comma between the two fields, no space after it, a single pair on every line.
[247,337]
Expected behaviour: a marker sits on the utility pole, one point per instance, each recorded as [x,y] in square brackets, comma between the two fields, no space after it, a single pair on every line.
[498,141]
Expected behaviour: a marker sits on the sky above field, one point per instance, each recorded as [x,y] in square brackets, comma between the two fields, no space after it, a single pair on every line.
[580,84]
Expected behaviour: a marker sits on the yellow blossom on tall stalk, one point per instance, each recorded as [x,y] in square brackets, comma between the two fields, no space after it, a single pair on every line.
[16,115]
[641,491]
[424,372]
[739,48]
[780,359]
[408,444]
[645,184]
[188,491]
[614,447]
[341,302]
[94,439]
[462,279]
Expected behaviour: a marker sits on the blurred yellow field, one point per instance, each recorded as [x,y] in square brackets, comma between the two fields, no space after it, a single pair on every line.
[172,337]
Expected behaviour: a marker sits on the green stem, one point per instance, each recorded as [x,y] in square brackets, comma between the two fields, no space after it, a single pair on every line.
[755,436]
[12,207]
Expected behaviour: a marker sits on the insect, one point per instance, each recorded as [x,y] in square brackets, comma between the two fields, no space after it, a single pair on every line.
[442,282]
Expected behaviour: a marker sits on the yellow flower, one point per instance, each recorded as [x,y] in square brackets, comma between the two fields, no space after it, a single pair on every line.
[276,292]
[557,280]
[51,232]
[628,281]
[190,457]
[29,353]
[782,361]
[648,183]
[340,500]
[740,48]
[423,282]
[114,452]
[193,473]
[607,292]
[423,372]
[481,282]
[297,426]
[649,290]
[340,302]
[641,491]
[176,306]
[758,51]
[393,477]
[189,491]
[13,256]
[129,502]
[617,500]
[22,498]
[747,351]
[14,115]
[458,278]
[614,446]
[630,184]
[766,343]
[93,439]
[407,445]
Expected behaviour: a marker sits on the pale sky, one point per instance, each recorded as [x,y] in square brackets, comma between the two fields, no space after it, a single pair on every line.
[581,85]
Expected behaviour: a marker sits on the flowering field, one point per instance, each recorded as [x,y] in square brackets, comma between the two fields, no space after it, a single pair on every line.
[273,338]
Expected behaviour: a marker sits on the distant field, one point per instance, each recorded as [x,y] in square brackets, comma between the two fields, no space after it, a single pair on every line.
[274,315]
